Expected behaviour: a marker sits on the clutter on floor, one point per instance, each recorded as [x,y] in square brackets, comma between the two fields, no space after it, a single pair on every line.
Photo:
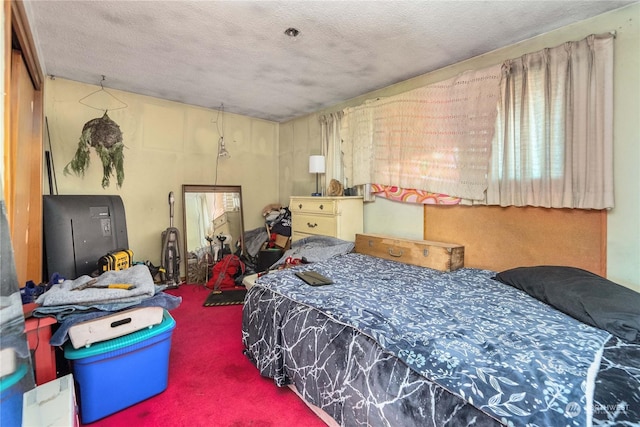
[112,320]
[115,374]
[264,246]
[109,293]
[116,333]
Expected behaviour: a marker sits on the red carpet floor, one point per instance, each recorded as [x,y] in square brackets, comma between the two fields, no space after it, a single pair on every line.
[211,383]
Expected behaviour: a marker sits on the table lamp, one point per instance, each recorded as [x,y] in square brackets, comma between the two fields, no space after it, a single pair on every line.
[316,165]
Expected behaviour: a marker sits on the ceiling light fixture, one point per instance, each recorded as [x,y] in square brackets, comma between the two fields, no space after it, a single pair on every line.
[292,32]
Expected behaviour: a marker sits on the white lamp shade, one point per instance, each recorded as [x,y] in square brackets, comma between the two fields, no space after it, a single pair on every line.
[316,164]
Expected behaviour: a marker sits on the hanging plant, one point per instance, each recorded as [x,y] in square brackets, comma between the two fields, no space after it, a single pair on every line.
[105,136]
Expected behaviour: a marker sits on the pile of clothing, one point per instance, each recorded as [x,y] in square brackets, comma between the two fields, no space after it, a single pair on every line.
[277,223]
[88,298]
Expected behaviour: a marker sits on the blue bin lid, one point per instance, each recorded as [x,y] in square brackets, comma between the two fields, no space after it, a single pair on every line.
[9,380]
[96,349]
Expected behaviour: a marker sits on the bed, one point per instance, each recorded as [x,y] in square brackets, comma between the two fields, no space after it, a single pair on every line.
[394,344]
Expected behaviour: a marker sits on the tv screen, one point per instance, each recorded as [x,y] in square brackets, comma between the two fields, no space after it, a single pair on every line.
[78,230]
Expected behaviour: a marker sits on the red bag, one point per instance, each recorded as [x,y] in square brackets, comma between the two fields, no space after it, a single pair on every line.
[224,272]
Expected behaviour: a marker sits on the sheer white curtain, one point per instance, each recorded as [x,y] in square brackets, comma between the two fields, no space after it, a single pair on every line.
[332,147]
[435,138]
[204,223]
[553,145]
[357,144]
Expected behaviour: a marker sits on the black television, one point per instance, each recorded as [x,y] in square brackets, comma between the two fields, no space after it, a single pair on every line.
[78,230]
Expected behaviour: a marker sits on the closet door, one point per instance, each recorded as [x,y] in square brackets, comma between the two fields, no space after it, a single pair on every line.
[24,175]
[23,150]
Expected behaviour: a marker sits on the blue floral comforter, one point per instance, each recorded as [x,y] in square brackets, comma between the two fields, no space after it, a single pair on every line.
[507,354]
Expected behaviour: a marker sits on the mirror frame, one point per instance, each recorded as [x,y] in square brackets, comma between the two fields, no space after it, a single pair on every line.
[195,188]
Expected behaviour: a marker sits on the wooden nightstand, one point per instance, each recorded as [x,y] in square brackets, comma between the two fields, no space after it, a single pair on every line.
[340,217]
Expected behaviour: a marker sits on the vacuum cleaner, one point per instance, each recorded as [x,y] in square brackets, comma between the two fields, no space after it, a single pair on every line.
[170,257]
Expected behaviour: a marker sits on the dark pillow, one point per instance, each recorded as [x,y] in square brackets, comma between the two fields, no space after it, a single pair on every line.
[585,296]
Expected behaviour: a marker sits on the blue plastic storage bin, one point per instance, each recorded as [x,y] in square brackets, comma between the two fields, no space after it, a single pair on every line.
[115,374]
[11,392]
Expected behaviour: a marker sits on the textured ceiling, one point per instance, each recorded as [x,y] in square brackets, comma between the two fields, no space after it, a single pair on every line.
[235,53]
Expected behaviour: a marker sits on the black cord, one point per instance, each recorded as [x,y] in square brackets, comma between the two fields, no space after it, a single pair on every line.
[52,171]
[219,125]
[37,331]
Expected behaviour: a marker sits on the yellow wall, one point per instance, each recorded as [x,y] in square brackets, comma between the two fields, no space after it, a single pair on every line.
[298,140]
[168,144]
[301,137]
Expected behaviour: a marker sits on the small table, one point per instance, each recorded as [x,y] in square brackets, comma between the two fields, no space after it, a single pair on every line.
[38,331]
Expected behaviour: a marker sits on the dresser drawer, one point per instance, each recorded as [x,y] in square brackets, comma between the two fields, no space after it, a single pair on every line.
[313,205]
[314,224]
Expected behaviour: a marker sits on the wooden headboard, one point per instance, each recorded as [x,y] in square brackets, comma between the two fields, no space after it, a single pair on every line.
[499,238]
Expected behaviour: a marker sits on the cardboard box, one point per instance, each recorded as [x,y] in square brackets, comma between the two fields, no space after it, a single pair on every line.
[283,242]
[51,404]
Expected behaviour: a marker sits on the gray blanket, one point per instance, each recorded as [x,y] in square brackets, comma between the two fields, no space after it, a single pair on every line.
[64,293]
[316,248]
[72,315]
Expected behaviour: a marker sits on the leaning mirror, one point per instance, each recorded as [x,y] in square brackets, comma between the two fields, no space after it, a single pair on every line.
[213,227]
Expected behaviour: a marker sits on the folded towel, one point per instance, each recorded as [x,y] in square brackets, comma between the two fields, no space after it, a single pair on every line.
[64,293]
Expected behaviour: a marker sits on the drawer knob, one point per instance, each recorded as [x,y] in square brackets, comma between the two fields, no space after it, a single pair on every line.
[314,225]
[321,207]
[300,206]
[395,254]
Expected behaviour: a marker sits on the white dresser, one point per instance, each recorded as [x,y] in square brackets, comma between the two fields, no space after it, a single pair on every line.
[340,217]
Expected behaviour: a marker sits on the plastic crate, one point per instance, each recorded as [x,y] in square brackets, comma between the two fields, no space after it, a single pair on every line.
[51,404]
[115,374]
